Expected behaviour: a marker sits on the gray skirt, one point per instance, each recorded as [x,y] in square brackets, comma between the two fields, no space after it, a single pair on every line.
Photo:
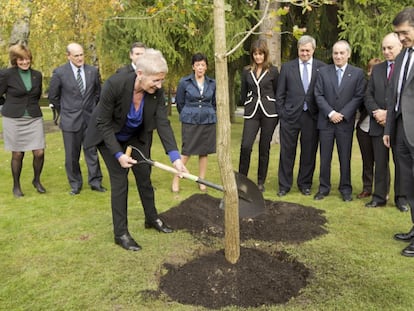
[23,134]
[198,139]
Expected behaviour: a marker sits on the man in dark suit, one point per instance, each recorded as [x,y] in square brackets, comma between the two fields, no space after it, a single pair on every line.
[137,49]
[400,117]
[132,106]
[298,114]
[339,92]
[74,91]
[377,109]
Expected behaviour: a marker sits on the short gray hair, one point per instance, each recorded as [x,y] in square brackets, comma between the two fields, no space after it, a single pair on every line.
[307,39]
[152,62]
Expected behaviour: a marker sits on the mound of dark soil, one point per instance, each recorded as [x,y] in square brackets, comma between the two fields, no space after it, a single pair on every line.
[259,277]
[281,222]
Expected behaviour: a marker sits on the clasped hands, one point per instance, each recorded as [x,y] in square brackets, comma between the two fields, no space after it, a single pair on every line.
[336,117]
[380,116]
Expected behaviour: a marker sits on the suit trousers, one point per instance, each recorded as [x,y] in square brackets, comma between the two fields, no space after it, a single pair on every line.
[251,127]
[406,164]
[343,139]
[289,134]
[367,153]
[119,188]
[381,170]
[73,142]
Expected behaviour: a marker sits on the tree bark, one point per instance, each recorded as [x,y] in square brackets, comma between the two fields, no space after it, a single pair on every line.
[231,200]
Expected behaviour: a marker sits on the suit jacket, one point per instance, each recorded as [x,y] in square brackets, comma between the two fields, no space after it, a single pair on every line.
[344,99]
[375,96]
[18,99]
[407,101]
[110,115]
[126,68]
[291,96]
[64,94]
[259,92]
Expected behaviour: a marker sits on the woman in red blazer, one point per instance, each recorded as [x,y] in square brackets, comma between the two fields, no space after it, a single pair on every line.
[22,118]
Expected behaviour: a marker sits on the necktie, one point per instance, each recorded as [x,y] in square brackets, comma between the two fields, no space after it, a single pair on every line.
[390,72]
[339,75]
[404,78]
[305,77]
[305,82]
[80,82]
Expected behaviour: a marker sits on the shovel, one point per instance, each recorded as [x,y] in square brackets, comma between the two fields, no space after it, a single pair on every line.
[251,202]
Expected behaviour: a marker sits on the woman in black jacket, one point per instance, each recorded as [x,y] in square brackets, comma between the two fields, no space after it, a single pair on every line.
[22,118]
[258,95]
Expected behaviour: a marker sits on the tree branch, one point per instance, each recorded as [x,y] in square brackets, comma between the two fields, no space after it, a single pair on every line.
[251,31]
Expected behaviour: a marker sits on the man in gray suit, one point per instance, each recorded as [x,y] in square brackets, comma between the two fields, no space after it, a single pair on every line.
[400,117]
[74,91]
[339,92]
[377,109]
[298,114]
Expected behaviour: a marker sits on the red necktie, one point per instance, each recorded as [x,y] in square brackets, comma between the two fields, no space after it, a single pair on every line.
[391,71]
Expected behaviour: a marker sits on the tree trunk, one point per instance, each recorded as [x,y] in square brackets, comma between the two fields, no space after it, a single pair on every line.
[21,28]
[273,42]
[231,200]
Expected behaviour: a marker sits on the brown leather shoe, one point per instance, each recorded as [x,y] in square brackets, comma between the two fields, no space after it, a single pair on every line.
[364,194]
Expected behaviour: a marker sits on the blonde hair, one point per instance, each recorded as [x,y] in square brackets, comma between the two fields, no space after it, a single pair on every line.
[17,51]
[152,62]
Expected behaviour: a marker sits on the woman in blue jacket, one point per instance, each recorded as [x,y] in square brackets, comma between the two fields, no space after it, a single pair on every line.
[258,95]
[196,104]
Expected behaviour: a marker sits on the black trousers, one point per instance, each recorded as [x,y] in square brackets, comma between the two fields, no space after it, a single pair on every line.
[251,127]
[289,134]
[119,187]
[406,164]
[343,138]
[367,153]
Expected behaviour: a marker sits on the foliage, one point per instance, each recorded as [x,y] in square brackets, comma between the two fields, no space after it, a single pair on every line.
[364,23]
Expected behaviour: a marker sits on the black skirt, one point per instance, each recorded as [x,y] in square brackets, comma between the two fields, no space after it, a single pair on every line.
[198,139]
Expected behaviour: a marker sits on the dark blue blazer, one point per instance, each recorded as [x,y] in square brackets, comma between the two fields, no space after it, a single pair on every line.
[344,99]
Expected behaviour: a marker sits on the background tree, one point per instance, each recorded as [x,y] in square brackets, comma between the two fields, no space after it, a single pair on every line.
[364,23]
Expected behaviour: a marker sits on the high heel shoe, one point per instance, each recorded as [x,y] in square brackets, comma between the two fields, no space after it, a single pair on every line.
[17,192]
[38,186]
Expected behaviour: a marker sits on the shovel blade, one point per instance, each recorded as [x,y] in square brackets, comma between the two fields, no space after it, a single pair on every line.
[251,202]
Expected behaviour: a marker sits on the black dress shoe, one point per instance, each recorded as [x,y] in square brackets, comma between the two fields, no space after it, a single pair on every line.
[347,197]
[409,250]
[375,204]
[405,237]
[38,186]
[261,187]
[364,194]
[98,188]
[282,193]
[159,225]
[402,205]
[305,191]
[320,196]
[74,191]
[127,242]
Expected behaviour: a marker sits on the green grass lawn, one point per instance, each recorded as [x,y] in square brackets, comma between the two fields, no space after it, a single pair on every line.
[57,250]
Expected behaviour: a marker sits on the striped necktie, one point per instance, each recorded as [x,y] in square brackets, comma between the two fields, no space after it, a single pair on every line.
[80,82]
